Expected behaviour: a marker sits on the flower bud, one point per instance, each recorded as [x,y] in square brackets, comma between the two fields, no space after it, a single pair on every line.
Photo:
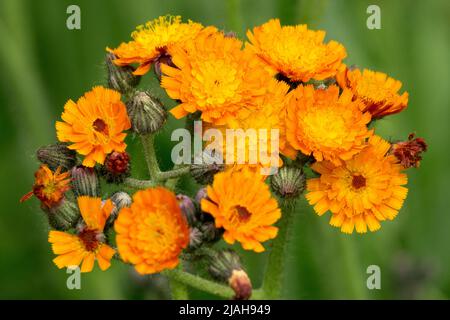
[120,200]
[195,238]
[57,155]
[204,172]
[64,216]
[85,182]
[147,114]
[289,182]
[225,266]
[120,78]
[188,209]
[116,167]
[210,232]
[409,153]
[201,194]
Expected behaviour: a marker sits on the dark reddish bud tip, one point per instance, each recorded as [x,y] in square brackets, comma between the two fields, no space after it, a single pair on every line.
[116,167]
[409,153]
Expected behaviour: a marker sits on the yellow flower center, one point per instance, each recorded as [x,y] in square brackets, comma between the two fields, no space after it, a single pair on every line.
[326,127]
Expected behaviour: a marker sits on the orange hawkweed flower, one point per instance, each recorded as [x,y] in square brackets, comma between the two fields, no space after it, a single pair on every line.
[296,52]
[152,232]
[95,125]
[378,91]
[88,244]
[242,204]
[326,125]
[153,40]
[213,75]
[49,187]
[361,192]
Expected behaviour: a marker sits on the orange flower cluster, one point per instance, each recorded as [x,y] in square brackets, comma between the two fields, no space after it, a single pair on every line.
[286,80]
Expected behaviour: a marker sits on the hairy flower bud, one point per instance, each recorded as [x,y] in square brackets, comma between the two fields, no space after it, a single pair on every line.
[225,266]
[147,114]
[204,172]
[116,167]
[201,194]
[120,200]
[85,182]
[121,79]
[210,232]
[64,216]
[188,209]
[57,155]
[289,182]
[195,238]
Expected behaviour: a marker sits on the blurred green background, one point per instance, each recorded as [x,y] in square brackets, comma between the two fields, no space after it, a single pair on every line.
[42,64]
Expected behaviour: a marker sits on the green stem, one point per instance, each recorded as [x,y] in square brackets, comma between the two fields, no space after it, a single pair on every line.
[273,278]
[234,16]
[174,173]
[139,184]
[179,290]
[352,268]
[199,283]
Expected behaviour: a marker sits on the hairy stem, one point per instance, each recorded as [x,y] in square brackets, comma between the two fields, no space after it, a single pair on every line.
[139,184]
[199,283]
[273,278]
[178,289]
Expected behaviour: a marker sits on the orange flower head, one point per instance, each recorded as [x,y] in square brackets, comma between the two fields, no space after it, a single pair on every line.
[296,52]
[153,41]
[214,76]
[49,187]
[326,125]
[378,91]
[361,192]
[88,244]
[242,204]
[95,125]
[152,232]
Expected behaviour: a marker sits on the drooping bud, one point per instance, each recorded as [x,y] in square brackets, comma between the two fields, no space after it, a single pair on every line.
[120,200]
[188,209]
[147,114]
[120,78]
[204,171]
[195,238]
[57,155]
[85,182]
[225,266]
[201,194]
[116,167]
[64,216]
[288,182]
[409,153]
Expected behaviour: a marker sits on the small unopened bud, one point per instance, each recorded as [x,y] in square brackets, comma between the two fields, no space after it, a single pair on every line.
[188,209]
[225,266]
[120,200]
[201,194]
[64,216]
[289,182]
[147,114]
[409,153]
[195,238]
[85,182]
[210,232]
[57,155]
[116,167]
[204,172]
[120,78]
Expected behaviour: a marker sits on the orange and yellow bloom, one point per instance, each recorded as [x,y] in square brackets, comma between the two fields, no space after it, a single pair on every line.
[88,244]
[242,204]
[296,52]
[325,124]
[94,125]
[376,90]
[214,76]
[153,40]
[361,192]
[152,233]
[49,187]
